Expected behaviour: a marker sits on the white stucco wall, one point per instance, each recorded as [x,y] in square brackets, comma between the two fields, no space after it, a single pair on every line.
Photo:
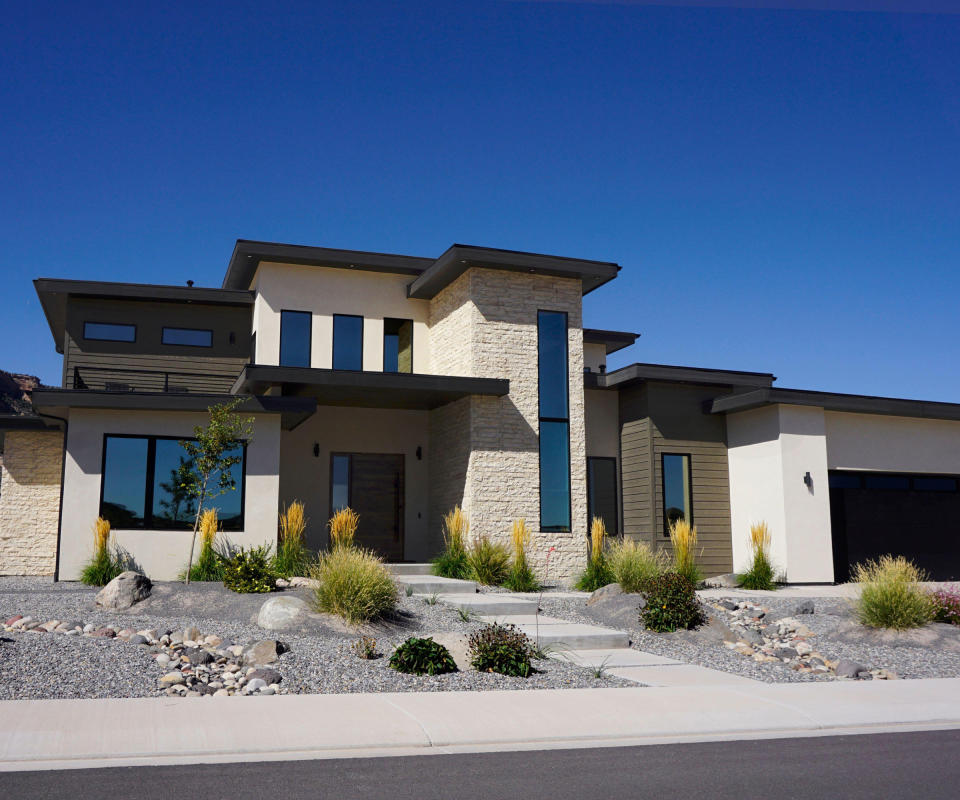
[327,291]
[892,444]
[594,355]
[306,477]
[161,554]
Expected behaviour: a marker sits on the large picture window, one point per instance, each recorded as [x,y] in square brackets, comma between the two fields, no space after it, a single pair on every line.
[347,342]
[295,333]
[602,491]
[677,490]
[139,487]
[554,421]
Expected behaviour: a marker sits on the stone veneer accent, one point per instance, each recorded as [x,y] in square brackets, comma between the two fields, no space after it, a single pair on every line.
[30,502]
[484,451]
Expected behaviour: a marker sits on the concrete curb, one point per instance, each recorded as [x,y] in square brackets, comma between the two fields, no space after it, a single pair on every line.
[58,734]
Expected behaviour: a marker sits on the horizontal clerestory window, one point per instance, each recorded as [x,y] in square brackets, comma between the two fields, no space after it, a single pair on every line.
[140,487]
[109,332]
[187,337]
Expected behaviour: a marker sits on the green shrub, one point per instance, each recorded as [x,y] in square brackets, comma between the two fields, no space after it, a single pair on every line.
[249,571]
[103,565]
[488,561]
[353,584]
[422,657]
[946,602]
[521,577]
[292,557]
[500,648]
[633,564]
[891,595]
[452,562]
[671,604]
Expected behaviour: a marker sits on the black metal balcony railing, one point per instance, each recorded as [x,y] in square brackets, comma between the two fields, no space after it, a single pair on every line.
[111,379]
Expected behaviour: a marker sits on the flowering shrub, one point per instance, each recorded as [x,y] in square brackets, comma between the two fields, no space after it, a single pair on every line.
[946,602]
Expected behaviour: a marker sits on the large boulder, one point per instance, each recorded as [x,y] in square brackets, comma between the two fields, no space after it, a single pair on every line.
[123,591]
[728,581]
[279,613]
[614,607]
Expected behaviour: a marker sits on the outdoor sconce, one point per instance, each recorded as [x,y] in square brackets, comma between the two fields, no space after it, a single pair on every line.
[808,481]
[419,453]
[316,449]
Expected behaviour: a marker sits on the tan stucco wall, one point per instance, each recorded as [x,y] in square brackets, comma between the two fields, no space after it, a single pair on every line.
[30,502]
[594,355]
[306,477]
[485,324]
[159,554]
[325,292]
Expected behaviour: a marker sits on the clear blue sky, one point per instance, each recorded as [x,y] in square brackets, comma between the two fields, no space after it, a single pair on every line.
[782,188]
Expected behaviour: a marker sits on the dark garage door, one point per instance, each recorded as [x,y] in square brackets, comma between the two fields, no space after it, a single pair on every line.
[917,516]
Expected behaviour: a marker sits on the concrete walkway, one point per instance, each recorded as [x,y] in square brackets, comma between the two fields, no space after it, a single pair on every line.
[57,734]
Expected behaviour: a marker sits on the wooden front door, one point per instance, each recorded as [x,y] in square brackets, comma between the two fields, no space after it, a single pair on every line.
[372,485]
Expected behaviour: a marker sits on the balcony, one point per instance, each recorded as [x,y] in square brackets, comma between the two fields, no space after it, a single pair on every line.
[110,379]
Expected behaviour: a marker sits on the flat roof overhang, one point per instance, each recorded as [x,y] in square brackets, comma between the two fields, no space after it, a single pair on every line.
[833,401]
[292,410]
[611,340]
[667,373]
[54,292]
[27,422]
[334,387]
[460,257]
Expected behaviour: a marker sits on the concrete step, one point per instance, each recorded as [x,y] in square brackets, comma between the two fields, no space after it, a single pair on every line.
[432,584]
[489,604]
[574,636]
[682,675]
[614,658]
[410,569]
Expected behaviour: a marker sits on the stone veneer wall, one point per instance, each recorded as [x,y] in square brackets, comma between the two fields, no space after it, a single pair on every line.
[30,502]
[485,325]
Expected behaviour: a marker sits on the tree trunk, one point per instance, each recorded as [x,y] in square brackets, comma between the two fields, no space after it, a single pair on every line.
[196,527]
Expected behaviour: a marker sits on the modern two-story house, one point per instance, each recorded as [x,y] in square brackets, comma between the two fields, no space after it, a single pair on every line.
[404,386]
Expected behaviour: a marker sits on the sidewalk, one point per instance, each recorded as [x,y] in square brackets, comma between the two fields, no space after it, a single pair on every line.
[59,734]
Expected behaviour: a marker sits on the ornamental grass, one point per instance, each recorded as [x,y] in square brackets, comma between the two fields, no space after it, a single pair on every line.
[521,577]
[891,595]
[343,527]
[452,562]
[103,565]
[683,537]
[293,557]
[761,575]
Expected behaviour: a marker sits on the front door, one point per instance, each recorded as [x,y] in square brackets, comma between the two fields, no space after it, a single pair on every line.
[372,485]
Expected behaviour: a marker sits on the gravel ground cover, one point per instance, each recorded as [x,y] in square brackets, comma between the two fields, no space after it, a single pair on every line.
[933,652]
[320,659]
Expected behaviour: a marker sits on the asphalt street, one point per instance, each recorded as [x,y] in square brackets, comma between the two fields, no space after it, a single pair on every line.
[904,765]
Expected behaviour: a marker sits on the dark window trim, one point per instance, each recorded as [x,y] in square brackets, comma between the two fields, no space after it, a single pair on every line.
[566,341]
[910,476]
[349,457]
[616,498]
[663,488]
[165,328]
[149,480]
[309,336]
[384,365]
[333,341]
[118,324]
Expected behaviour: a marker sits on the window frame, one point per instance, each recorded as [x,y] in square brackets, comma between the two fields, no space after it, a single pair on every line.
[309,338]
[616,493]
[333,342]
[663,487]
[115,324]
[384,364]
[165,328]
[150,474]
[566,420]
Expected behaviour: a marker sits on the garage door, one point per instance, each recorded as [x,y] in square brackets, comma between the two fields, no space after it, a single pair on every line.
[917,516]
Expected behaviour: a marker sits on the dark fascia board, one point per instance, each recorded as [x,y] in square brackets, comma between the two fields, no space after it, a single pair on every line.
[668,373]
[53,294]
[293,410]
[612,340]
[460,257]
[368,389]
[27,422]
[247,256]
[833,401]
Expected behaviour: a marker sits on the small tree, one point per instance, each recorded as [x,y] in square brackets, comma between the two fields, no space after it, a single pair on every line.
[206,473]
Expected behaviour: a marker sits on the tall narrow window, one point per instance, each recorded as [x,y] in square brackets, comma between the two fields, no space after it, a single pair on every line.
[677,490]
[339,481]
[602,491]
[398,345]
[295,338]
[347,342]
[554,421]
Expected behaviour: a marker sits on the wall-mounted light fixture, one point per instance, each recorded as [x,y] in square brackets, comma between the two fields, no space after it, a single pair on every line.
[316,449]
[419,453]
[808,481]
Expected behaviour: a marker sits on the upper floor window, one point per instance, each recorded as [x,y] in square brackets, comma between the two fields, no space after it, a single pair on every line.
[677,490]
[295,334]
[554,421]
[398,345]
[109,332]
[188,337]
[347,342]
[552,359]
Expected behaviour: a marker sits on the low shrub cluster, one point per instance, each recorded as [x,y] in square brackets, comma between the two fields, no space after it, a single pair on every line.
[452,562]
[671,604]
[500,648]
[635,564]
[597,573]
[103,565]
[761,575]
[418,656]
[891,595]
[353,584]
[946,603]
[249,571]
